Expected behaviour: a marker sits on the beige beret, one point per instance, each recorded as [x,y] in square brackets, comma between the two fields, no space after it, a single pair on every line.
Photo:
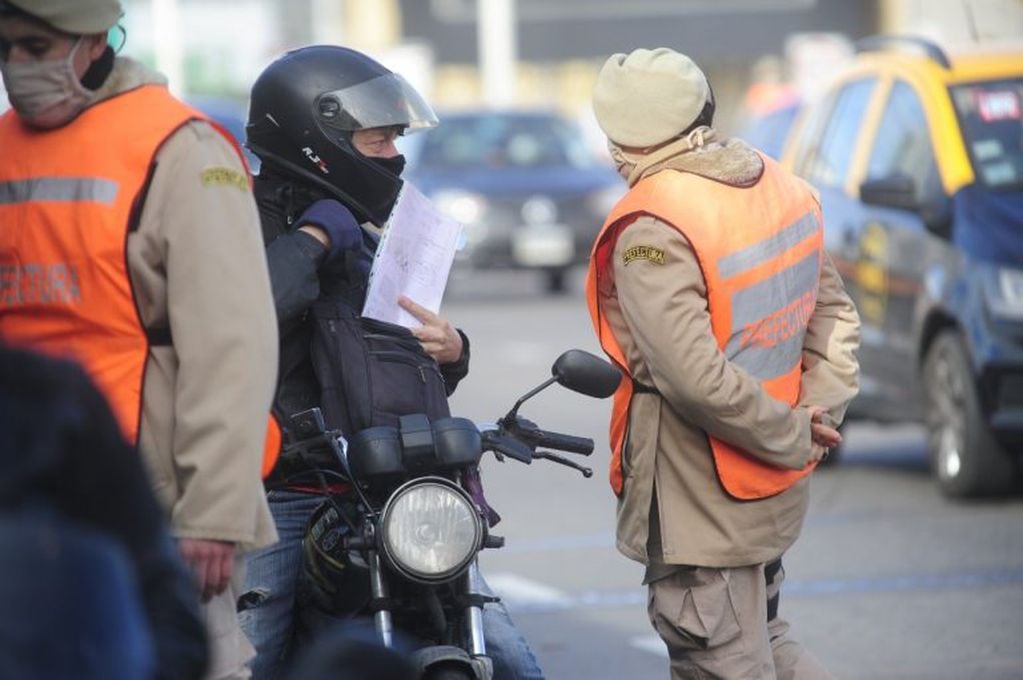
[649,96]
[78,17]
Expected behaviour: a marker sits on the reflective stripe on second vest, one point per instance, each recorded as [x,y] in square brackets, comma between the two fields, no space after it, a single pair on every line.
[762,275]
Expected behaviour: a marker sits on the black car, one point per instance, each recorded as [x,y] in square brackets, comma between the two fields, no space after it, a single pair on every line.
[529,191]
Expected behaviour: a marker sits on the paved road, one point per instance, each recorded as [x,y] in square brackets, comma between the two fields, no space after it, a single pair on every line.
[889,579]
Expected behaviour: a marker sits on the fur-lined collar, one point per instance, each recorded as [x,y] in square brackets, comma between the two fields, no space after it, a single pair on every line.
[730,161]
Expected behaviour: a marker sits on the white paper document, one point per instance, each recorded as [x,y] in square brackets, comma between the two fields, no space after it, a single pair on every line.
[413,259]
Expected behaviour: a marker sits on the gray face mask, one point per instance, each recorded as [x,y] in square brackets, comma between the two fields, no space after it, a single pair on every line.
[46,94]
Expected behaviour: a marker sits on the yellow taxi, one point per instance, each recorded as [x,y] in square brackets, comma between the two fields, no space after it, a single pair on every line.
[918,157]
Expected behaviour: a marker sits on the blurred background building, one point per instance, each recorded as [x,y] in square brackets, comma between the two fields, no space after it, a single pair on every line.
[542,52]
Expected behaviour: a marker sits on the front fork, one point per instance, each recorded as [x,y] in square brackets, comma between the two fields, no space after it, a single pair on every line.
[384,624]
[382,620]
[474,612]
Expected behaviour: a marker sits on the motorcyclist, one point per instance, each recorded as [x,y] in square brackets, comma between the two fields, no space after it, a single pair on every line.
[323,120]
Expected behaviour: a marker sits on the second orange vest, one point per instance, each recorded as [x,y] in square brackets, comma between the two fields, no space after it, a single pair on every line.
[760,251]
[68,200]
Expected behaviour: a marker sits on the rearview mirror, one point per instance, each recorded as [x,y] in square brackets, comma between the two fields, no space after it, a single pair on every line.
[585,373]
[899,191]
[895,191]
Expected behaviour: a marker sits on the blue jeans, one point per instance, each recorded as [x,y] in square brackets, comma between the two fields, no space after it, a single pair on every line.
[267,604]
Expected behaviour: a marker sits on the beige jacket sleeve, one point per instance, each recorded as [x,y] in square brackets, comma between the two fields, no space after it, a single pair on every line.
[203,274]
[665,307]
[830,368]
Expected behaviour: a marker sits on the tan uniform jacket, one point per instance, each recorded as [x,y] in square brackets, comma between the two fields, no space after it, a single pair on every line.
[197,264]
[673,509]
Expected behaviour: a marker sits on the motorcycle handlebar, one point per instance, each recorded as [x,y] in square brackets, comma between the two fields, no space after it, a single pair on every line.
[564,442]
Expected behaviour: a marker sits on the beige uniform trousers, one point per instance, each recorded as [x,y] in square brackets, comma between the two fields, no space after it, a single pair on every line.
[230,650]
[714,622]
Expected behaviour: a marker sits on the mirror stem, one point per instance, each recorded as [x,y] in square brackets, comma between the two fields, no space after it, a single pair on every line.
[528,395]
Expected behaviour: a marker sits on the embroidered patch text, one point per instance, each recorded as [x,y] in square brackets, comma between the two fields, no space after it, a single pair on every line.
[649,253]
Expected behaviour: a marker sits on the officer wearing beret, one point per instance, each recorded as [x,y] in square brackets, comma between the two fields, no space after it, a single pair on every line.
[709,288]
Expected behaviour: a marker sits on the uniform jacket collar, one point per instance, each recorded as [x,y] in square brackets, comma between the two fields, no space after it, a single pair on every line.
[730,161]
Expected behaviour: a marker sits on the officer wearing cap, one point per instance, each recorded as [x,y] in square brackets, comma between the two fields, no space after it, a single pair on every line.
[130,241]
[710,290]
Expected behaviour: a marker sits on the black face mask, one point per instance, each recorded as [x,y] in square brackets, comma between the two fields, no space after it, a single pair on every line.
[394,165]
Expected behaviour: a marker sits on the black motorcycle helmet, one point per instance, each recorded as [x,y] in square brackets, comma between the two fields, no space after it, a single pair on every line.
[305,107]
[332,580]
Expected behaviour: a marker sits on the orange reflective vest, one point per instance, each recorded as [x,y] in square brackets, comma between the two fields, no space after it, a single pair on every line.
[760,251]
[69,197]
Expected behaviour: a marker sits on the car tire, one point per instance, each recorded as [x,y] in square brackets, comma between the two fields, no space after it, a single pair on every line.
[965,456]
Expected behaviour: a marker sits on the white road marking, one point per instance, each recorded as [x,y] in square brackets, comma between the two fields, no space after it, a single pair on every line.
[518,591]
[650,643]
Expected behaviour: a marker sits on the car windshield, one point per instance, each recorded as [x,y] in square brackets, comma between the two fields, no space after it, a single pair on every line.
[503,141]
[991,117]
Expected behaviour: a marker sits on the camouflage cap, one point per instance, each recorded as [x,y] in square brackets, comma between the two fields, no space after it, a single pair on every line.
[78,17]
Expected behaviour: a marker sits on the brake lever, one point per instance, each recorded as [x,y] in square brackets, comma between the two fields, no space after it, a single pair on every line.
[561,460]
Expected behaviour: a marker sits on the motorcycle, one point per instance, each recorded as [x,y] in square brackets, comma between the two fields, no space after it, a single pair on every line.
[399,535]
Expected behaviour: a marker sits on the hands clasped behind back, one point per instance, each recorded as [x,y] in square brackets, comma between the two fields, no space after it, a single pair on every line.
[822,436]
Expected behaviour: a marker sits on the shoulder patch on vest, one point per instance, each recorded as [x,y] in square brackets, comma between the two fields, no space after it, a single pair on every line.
[649,253]
[220,176]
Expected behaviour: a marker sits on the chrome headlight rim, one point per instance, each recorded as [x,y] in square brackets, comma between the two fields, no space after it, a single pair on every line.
[385,529]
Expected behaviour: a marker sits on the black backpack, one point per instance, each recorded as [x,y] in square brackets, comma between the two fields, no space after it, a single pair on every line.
[371,372]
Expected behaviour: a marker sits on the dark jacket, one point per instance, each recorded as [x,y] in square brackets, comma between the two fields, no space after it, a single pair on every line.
[299,277]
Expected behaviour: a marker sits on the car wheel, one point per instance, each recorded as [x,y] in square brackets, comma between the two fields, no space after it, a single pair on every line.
[555,280]
[966,458]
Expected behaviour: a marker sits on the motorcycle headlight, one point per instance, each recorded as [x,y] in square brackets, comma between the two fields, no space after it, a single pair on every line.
[430,530]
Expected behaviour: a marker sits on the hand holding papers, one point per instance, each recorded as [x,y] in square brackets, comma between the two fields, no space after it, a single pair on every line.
[413,259]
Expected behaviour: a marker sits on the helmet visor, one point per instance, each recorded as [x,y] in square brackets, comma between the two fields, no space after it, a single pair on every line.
[383,101]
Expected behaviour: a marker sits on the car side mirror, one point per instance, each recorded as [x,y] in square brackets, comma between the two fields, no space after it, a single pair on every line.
[894,191]
[937,215]
[899,191]
[587,374]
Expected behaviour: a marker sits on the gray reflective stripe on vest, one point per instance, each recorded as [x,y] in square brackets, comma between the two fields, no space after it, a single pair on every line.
[761,252]
[769,320]
[58,189]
